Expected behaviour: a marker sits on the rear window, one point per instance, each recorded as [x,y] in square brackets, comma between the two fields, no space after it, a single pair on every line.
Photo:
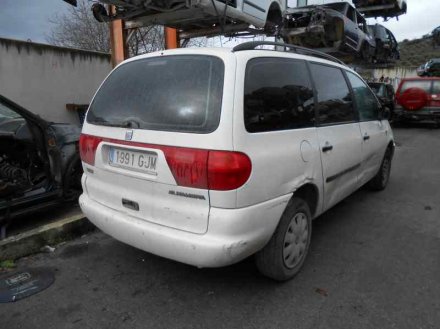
[425,85]
[172,93]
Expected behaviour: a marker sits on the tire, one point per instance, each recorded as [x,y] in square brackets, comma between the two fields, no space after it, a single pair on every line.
[277,259]
[72,180]
[380,181]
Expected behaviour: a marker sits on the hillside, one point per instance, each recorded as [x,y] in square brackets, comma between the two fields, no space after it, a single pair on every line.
[416,52]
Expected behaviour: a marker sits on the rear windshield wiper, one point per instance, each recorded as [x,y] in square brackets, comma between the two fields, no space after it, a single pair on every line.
[125,124]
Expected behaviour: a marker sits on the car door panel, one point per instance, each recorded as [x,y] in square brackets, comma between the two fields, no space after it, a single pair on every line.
[256,8]
[374,131]
[341,161]
[338,133]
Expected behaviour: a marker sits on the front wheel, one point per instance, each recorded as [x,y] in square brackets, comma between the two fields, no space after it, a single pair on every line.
[380,181]
[283,256]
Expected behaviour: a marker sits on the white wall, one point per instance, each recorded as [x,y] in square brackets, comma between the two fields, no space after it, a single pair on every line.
[395,74]
[44,78]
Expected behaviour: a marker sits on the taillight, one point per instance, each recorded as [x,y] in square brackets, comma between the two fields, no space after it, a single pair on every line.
[214,170]
[87,148]
[188,166]
[228,170]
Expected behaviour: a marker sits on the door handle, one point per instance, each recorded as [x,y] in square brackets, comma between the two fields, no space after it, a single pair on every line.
[366,137]
[327,148]
[130,204]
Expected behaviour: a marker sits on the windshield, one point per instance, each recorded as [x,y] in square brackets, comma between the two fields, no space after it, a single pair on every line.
[171,93]
[338,6]
[424,85]
[7,113]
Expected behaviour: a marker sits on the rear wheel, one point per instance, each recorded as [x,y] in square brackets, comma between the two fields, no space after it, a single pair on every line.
[380,181]
[284,255]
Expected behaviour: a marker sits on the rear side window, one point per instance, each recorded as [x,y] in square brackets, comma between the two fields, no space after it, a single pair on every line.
[172,93]
[334,98]
[424,85]
[278,95]
[366,103]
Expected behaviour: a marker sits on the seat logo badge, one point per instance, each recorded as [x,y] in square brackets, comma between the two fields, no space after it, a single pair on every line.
[128,135]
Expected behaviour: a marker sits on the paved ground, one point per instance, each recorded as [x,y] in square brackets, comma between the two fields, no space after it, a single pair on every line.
[374,263]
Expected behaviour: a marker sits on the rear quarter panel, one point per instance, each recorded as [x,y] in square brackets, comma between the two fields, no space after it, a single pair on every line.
[279,167]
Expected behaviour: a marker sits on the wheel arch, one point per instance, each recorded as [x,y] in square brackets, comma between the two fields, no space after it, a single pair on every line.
[274,14]
[391,146]
[310,194]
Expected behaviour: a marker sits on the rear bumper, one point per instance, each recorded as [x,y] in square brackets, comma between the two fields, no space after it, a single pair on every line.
[233,234]
[426,114]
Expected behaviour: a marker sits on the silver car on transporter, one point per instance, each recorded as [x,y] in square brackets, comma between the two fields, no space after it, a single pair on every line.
[208,156]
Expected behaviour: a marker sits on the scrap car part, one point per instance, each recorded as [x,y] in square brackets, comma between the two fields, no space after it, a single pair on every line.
[381,8]
[313,28]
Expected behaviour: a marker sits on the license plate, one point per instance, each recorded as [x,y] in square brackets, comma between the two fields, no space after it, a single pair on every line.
[137,161]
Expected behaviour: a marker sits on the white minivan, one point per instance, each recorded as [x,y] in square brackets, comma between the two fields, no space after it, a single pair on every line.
[208,156]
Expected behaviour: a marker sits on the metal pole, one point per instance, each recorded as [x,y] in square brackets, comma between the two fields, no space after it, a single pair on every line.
[171,38]
[118,40]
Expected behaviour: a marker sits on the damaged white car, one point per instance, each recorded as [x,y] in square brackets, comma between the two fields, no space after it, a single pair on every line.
[193,14]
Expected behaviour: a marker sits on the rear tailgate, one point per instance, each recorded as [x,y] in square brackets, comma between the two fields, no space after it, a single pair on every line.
[150,191]
[154,166]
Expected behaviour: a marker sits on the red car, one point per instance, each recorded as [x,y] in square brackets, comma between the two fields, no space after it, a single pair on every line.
[418,99]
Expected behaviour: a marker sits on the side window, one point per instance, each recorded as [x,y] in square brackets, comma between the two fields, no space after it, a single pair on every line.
[278,95]
[361,22]
[366,103]
[334,99]
[390,91]
[351,14]
[436,87]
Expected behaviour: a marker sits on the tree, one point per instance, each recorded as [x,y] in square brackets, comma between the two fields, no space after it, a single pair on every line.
[78,29]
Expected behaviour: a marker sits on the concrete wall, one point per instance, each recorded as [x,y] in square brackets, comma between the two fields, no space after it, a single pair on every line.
[394,74]
[44,78]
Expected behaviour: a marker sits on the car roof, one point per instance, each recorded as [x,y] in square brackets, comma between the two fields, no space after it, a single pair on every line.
[224,52]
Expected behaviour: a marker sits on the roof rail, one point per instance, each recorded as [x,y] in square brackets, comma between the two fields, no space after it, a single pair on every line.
[251,45]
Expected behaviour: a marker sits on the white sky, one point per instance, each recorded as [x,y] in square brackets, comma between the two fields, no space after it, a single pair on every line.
[422,17]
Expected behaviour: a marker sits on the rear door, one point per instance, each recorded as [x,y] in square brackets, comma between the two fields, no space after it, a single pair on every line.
[153,120]
[374,132]
[338,132]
